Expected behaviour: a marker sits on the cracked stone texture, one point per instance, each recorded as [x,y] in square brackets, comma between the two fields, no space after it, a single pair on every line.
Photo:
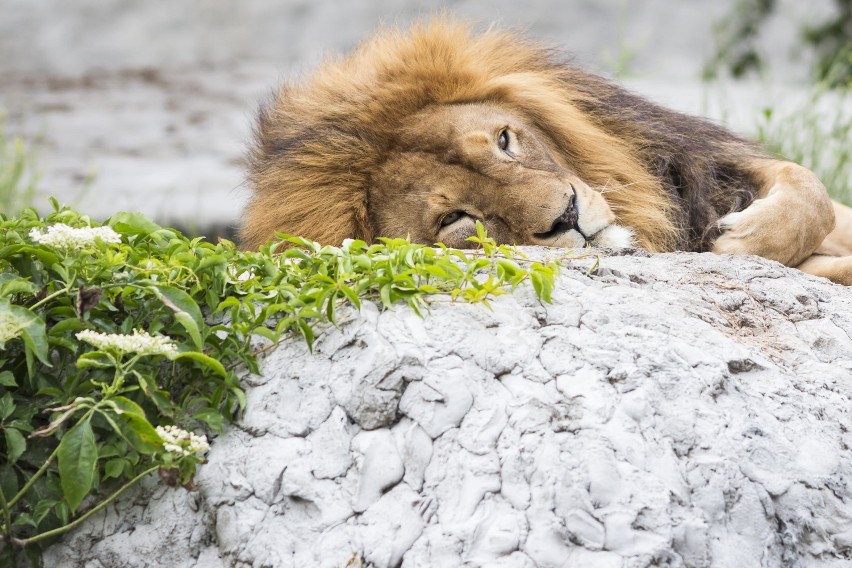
[669,410]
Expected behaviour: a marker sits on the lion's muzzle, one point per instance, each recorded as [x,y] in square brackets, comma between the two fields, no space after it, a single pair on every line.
[569,219]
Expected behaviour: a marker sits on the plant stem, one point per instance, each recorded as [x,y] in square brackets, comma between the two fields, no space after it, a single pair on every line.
[44,466]
[33,479]
[7,516]
[58,531]
[50,297]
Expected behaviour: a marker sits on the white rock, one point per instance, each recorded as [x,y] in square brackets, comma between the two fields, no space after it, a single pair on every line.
[680,410]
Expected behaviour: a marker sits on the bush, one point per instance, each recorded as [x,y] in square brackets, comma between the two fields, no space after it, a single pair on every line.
[120,340]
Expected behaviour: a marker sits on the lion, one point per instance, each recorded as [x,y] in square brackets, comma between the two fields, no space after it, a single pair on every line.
[422,133]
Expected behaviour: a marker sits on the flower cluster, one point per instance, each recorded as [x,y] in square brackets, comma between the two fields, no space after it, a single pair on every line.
[140,342]
[63,237]
[182,443]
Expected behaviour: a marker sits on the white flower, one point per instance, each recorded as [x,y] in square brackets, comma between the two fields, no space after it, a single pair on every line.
[182,443]
[140,342]
[63,237]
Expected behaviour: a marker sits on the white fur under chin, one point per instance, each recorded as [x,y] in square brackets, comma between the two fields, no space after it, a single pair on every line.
[614,237]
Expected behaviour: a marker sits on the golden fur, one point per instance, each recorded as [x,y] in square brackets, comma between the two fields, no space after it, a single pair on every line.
[346,153]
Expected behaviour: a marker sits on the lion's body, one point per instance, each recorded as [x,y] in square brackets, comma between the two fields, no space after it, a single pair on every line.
[339,154]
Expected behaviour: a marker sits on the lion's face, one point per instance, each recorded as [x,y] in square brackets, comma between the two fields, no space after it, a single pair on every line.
[452,165]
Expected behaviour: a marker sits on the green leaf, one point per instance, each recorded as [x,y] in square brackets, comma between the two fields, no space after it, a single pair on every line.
[212,260]
[10,284]
[240,395]
[63,512]
[350,294]
[204,360]
[141,434]
[8,480]
[187,312]
[46,257]
[77,458]
[385,295]
[307,333]
[133,428]
[7,379]
[133,223]
[228,302]
[159,397]
[211,417]
[20,321]
[41,510]
[267,333]
[7,406]
[191,328]
[542,281]
[16,444]
[95,359]
[114,468]
[66,325]
[507,269]
[126,406]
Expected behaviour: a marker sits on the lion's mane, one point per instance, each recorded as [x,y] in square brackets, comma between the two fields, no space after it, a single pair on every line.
[318,140]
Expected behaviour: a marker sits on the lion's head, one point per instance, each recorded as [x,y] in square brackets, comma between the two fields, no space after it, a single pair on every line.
[452,165]
[423,133]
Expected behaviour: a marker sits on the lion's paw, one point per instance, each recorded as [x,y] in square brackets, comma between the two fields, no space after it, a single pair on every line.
[753,231]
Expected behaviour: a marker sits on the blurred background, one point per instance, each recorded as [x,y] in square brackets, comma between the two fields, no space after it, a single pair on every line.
[114,105]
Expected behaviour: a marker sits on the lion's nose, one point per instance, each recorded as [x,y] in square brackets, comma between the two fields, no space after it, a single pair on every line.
[565,222]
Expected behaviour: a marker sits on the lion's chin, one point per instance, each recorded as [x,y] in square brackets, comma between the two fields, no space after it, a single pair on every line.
[610,237]
[613,237]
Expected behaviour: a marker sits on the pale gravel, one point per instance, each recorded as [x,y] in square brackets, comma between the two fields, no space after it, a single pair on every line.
[669,410]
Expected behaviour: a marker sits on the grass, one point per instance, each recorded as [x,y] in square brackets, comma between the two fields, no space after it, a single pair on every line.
[17,172]
[817,134]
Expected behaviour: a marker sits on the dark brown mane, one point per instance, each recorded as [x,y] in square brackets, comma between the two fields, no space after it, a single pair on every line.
[697,162]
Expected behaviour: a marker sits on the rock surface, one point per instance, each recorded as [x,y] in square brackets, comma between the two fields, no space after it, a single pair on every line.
[668,410]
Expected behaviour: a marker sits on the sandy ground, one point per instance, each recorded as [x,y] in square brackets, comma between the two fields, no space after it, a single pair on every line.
[169,144]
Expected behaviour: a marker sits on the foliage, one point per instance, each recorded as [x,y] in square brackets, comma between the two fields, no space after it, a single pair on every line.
[115,338]
[620,61]
[737,47]
[736,39]
[832,41]
[815,134]
[17,178]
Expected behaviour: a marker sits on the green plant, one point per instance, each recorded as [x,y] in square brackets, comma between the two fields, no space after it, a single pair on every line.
[116,338]
[736,39]
[832,42]
[815,134]
[738,50]
[17,177]
[620,62]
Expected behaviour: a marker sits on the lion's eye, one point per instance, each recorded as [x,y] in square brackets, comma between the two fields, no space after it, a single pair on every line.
[451,218]
[503,140]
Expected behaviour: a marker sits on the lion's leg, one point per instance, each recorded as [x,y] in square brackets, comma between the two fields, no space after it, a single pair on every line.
[790,218]
[834,256]
[839,241]
[837,269]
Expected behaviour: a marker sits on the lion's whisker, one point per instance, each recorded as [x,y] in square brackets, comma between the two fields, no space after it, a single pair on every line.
[610,188]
